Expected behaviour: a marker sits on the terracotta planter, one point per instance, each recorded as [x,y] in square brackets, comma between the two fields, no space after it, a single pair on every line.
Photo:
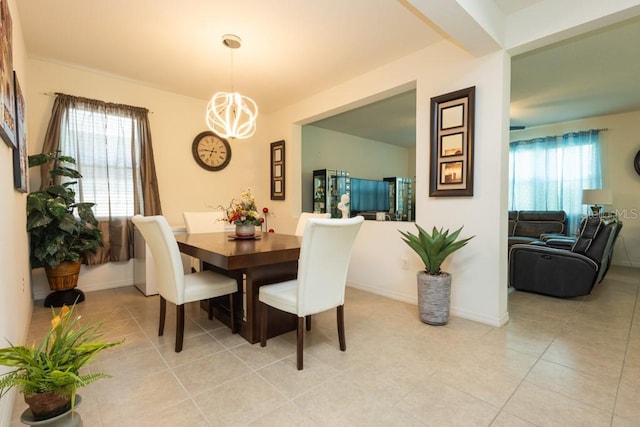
[245,231]
[64,276]
[434,298]
[47,405]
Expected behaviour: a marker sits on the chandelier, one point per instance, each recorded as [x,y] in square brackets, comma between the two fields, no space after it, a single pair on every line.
[231,115]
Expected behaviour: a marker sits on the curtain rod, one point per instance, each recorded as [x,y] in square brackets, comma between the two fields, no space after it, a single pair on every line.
[556,136]
[54,94]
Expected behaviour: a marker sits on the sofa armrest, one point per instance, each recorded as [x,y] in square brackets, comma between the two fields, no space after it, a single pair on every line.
[561,243]
[551,271]
[546,236]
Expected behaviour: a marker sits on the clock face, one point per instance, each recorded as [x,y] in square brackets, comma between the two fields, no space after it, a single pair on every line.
[210,151]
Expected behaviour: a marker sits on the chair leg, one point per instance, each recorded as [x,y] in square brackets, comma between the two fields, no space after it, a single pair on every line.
[300,346]
[341,338]
[163,313]
[210,308]
[232,314]
[308,322]
[263,324]
[179,327]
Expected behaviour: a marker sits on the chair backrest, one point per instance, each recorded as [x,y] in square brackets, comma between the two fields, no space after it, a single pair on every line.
[204,222]
[166,255]
[304,216]
[324,261]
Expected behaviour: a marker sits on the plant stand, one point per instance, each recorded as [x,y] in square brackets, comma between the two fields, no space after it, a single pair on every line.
[434,298]
[67,297]
[67,419]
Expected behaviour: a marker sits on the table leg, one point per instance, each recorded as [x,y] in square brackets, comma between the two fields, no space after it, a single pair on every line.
[249,326]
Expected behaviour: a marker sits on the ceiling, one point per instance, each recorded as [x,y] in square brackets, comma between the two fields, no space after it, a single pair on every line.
[590,75]
[293,49]
[594,74]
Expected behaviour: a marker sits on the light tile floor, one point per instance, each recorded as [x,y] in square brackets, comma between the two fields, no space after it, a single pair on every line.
[557,362]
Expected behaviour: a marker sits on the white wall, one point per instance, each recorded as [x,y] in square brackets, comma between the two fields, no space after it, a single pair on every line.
[362,158]
[175,121]
[479,289]
[619,145]
[15,297]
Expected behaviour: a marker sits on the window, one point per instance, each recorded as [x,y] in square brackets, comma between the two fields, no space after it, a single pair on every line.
[102,144]
[550,173]
[112,146]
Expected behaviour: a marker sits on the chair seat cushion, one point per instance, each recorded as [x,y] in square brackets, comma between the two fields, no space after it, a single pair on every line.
[283,296]
[207,284]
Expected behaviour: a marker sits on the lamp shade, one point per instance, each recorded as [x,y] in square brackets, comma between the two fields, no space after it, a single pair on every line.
[597,196]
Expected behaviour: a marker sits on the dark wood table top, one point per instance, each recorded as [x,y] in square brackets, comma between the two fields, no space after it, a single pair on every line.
[220,250]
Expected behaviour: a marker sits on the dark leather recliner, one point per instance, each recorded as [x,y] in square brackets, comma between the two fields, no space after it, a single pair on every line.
[561,272]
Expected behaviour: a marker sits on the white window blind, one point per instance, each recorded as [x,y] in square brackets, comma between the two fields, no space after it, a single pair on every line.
[101,143]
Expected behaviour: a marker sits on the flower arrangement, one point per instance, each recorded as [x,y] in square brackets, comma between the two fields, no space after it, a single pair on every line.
[51,369]
[243,211]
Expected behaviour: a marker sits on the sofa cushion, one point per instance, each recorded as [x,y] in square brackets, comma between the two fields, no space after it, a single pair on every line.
[588,232]
[531,228]
[521,239]
[559,216]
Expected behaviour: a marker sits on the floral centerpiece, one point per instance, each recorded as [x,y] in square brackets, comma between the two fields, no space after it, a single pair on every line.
[48,374]
[244,214]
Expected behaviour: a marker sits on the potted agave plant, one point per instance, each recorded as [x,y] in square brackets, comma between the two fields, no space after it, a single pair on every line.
[48,374]
[434,285]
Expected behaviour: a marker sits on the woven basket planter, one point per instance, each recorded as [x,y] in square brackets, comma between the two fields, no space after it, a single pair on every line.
[434,298]
[64,276]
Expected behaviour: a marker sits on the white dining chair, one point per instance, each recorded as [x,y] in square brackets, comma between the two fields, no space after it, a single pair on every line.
[321,280]
[204,222]
[304,216]
[175,286]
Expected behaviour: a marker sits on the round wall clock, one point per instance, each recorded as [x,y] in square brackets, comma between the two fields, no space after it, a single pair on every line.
[210,151]
[636,163]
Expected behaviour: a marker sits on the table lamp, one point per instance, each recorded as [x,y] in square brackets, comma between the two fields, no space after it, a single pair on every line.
[596,198]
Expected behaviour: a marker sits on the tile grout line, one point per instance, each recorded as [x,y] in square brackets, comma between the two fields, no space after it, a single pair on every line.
[171,369]
[538,359]
[626,351]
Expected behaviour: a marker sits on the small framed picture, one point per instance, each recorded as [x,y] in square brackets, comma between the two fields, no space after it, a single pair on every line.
[20,152]
[452,122]
[7,97]
[277,170]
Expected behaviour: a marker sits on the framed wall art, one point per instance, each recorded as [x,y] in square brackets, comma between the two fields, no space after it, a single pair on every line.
[7,100]
[277,170]
[452,121]
[20,178]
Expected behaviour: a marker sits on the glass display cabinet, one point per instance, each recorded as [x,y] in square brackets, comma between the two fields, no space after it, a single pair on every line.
[328,186]
[400,198]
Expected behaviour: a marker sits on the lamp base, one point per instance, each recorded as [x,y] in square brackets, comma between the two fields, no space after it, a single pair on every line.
[595,210]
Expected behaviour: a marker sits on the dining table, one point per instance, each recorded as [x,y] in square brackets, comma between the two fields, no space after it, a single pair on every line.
[265,259]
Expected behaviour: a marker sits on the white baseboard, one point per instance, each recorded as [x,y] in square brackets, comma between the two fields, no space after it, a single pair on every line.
[384,293]
[480,318]
[41,294]
[465,314]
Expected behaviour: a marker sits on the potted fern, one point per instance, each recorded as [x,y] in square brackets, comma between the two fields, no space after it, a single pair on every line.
[434,285]
[48,374]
